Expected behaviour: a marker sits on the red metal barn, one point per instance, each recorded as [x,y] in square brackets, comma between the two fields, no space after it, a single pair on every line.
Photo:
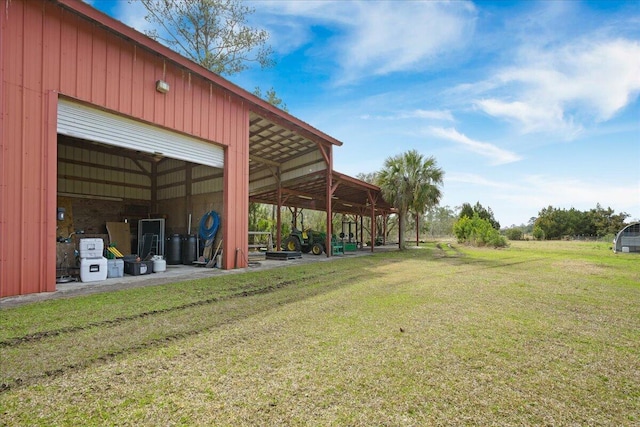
[99,119]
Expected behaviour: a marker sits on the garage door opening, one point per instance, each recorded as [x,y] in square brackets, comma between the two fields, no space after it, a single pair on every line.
[109,185]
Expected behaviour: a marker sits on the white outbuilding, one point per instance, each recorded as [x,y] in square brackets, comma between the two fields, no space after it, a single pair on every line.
[628,239]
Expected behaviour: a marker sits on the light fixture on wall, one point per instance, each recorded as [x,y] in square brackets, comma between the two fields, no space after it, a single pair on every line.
[60,214]
[162,86]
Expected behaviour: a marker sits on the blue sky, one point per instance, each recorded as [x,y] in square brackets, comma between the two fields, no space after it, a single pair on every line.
[523,104]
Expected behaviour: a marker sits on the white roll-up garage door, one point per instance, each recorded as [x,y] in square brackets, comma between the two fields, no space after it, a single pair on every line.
[80,121]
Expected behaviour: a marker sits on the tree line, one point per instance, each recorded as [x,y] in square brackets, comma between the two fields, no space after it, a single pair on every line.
[555,223]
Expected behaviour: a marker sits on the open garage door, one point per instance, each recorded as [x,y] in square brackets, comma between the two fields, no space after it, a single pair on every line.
[84,122]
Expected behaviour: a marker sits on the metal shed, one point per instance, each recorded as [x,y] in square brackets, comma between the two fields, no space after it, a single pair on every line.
[628,239]
[94,112]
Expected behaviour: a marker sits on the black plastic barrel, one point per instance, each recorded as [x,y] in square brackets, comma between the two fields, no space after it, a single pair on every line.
[189,250]
[174,249]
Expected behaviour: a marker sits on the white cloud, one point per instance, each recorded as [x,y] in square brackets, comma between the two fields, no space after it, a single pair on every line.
[475,179]
[532,117]
[373,38]
[560,90]
[398,36]
[432,114]
[443,115]
[497,155]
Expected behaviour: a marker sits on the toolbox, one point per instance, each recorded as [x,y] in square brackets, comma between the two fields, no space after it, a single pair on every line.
[138,268]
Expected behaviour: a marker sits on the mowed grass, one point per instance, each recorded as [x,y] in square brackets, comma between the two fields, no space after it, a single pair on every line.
[541,333]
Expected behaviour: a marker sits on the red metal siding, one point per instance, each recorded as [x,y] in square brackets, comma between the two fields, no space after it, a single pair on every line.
[236,224]
[46,50]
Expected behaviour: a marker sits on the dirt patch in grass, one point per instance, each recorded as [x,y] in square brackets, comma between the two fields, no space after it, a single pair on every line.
[581,267]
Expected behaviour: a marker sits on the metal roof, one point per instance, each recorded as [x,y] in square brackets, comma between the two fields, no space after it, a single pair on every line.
[351,196]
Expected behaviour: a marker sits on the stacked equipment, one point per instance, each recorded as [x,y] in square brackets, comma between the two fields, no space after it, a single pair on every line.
[93,266]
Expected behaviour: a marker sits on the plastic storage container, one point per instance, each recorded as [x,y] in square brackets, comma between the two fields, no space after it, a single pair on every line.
[174,250]
[93,269]
[189,250]
[91,248]
[115,268]
[138,268]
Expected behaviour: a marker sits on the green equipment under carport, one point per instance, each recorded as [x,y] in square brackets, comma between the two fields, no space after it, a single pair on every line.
[351,242]
[305,240]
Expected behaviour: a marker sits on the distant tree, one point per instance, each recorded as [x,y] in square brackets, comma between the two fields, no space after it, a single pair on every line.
[213,33]
[271,97]
[550,223]
[477,231]
[441,220]
[427,193]
[514,233]
[370,177]
[605,221]
[557,223]
[484,213]
[386,222]
[538,233]
[408,181]
[259,217]
[466,210]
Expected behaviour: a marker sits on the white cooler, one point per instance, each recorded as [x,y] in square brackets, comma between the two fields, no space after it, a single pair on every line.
[93,269]
[93,266]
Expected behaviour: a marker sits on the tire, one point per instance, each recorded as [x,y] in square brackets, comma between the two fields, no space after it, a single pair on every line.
[306,249]
[291,244]
[317,249]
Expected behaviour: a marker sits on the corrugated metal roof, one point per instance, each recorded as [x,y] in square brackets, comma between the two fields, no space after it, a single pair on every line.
[351,196]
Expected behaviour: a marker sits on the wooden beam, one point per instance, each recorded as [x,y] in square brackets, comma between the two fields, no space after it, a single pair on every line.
[105,167]
[102,181]
[263,160]
[304,195]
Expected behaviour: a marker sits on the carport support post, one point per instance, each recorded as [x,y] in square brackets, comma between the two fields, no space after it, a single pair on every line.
[374,226]
[328,244]
[327,153]
[279,219]
[361,230]
[373,220]
[384,228]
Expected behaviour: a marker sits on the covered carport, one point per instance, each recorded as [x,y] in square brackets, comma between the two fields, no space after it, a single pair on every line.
[293,167]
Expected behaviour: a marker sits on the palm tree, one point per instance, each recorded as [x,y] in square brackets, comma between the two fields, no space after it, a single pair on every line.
[410,182]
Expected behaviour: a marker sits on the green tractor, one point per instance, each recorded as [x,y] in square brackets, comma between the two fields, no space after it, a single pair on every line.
[305,241]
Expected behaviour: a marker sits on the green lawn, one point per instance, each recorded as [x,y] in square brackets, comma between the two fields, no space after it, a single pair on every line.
[541,333]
